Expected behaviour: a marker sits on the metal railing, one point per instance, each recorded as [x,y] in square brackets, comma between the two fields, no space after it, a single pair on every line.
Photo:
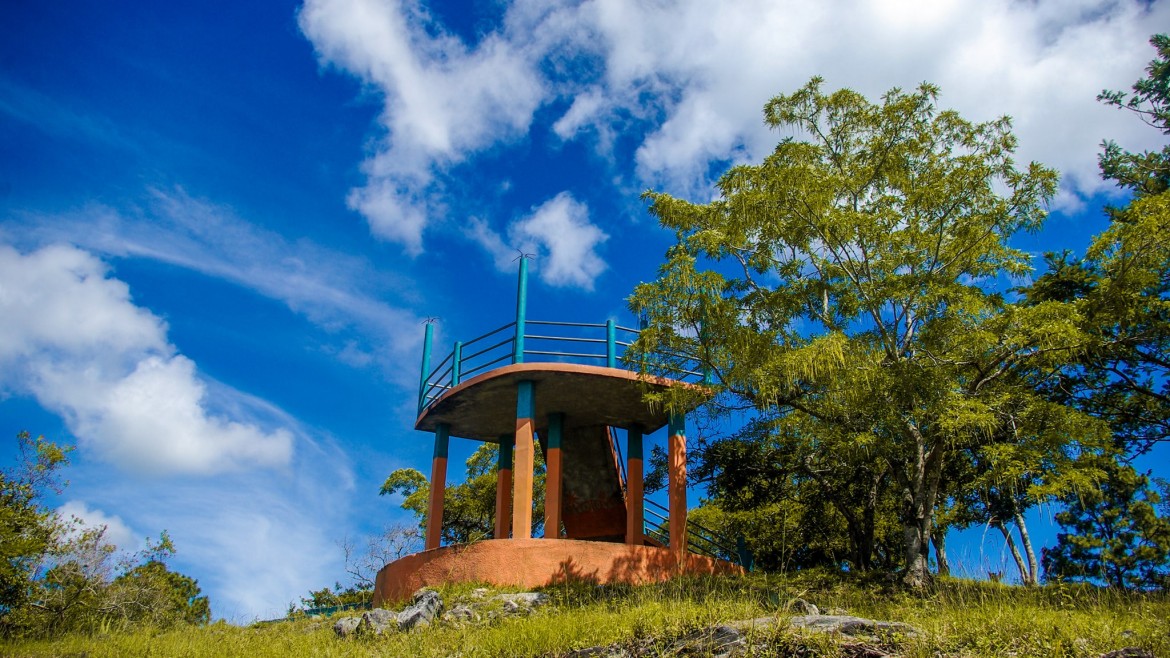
[700,540]
[603,344]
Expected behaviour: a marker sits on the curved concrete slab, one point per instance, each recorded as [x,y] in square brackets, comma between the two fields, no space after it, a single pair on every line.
[484,407]
[535,563]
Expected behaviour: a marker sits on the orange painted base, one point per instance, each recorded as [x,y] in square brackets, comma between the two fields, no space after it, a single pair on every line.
[535,563]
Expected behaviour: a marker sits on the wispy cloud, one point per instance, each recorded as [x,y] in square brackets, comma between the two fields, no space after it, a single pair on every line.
[257,540]
[340,292]
[443,101]
[687,83]
[558,233]
[73,339]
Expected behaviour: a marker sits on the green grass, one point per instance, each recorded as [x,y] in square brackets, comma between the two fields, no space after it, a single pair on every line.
[957,618]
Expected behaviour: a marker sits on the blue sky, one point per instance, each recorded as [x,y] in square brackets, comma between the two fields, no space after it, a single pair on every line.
[222,224]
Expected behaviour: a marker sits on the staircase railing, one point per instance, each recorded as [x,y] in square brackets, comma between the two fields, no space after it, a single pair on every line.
[700,540]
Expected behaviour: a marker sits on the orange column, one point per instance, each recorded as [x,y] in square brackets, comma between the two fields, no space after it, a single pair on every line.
[504,488]
[438,487]
[634,494]
[552,478]
[677,487]
[522,485]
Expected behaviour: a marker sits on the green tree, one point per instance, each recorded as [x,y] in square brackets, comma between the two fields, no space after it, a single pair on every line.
[1113,534]
[848,285]
[795,506]
[1122,285]
[27,528]
[1146,173]
[469,508]
[59,576]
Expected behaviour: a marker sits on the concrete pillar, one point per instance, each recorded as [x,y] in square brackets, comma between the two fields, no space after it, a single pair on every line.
[677,486]
[522,477]
[438,487]
[635,498]
[552,477]
[504,488]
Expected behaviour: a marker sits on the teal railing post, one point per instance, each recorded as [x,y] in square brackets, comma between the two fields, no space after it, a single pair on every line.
[521,311]
[746,560]
[708,374]
[426,365]
[456,363]
[610,344]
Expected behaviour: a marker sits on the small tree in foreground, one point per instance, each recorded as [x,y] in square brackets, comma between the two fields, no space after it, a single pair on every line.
[57,576]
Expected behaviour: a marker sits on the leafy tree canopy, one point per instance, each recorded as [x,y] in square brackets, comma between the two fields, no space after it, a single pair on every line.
[850,286]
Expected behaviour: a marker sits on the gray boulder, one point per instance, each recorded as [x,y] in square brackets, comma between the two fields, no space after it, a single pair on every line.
[346,626]
[802,607]
[848,625]
[378,621]
[461,613]
[719,641]
[425,607]
[519,602]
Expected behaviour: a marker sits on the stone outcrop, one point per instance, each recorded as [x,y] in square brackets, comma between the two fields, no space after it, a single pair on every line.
[427,608]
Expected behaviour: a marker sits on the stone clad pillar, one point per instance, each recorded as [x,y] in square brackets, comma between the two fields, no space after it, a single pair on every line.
[504,488]
[523,457]
[438,487]
[552,478]
[635,500]
[677,487]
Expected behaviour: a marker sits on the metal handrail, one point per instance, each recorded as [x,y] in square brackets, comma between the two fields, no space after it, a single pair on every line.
[458,363]
[699,539]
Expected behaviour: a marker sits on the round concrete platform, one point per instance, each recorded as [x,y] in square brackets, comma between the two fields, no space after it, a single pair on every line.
[484,407]
[536,563]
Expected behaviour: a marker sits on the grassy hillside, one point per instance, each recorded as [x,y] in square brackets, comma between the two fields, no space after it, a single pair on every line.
[958,618]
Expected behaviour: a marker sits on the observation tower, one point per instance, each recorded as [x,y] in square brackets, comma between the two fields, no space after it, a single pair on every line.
[562,388]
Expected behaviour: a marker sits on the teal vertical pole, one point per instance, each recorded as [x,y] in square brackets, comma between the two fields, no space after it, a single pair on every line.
[708,374]
[610,344]
[456,363]
[521,311]
[426,366]
[504,458]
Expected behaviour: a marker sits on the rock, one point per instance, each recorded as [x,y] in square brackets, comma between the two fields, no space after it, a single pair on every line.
[346,626]
[461,613]
[848,625]
[479,592]
[526,599]
[378,621]
[1128,652]
[721,641]
[802,607]
[520,602]
[426,606]
[759,623]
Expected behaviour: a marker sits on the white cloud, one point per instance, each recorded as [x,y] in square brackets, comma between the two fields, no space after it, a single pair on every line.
[558,232]
[117,532]
[443,101]
[256,540]
[1042,63]
[340,292]
[74,339]
[687,82]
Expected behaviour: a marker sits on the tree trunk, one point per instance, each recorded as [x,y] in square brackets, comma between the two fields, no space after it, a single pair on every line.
[918,510]
[1033,568]
[939,539]
[1011,544]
